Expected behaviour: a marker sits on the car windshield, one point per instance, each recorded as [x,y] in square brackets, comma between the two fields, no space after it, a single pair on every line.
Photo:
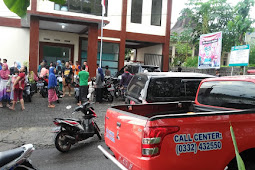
[230,94]
[172,89]
[136,85]
[135,70]
[150,69]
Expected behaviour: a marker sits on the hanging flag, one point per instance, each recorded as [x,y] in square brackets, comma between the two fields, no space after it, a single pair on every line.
[103,6]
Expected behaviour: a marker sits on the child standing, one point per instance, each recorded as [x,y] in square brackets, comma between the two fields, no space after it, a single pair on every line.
[52,96]
[18,87]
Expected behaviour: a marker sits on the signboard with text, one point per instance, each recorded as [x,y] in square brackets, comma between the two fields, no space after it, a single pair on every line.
[210,50]
[239,55]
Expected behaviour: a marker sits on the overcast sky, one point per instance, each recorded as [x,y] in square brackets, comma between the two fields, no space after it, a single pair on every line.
[178,5]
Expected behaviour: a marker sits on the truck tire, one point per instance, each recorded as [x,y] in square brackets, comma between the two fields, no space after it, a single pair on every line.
[249,165]
[61,143]
[248,159]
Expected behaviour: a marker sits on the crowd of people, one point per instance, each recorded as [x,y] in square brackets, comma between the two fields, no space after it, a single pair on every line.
[12,81]
[12,84]
[67,73]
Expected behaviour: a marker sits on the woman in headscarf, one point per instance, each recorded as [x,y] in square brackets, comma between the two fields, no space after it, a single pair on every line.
[17,65]
[4,78]
[52,96]
[59,73]
[99,84]
[44,72]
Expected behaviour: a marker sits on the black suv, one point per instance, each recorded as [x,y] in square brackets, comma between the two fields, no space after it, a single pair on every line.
[138,68]
[163,87]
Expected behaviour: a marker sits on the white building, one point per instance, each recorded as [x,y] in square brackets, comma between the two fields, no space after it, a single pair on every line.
[72,32]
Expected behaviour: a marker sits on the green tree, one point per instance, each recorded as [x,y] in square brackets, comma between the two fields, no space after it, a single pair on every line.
[241,23]
[191,62]
[19,7]
[252,55]
[183,51]
[209,16]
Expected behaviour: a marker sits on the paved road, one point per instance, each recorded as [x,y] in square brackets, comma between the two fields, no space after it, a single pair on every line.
[83,156]
[34,126]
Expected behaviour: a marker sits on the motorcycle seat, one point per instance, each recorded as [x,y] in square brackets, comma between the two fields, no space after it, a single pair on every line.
[10,155]
[71,119]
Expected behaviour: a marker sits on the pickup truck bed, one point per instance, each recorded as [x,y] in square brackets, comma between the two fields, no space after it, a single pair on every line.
[189,135]
[166,109]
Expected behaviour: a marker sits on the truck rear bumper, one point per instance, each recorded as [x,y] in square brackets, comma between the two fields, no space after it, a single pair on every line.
[109,156]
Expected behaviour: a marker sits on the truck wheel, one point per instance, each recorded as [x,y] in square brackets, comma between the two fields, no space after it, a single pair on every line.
[249,165]
[99,135]
[248,159]
[61,142]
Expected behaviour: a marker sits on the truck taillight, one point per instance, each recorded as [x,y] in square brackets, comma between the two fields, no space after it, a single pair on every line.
[153,137]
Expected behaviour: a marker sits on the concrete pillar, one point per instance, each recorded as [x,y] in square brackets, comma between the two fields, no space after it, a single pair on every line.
[34,44]
[165,50]
[123,34]
[92,49]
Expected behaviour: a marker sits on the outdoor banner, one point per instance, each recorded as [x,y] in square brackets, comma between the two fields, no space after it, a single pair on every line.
[239,55]
[210,50]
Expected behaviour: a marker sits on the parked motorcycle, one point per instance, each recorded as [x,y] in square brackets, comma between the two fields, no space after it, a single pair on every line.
[71,131]
[28,93]
[42,84]
[58,92]
[108,91]
[17,158]
[76,91]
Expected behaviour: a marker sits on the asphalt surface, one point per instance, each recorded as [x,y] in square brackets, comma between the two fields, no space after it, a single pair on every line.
[34,125]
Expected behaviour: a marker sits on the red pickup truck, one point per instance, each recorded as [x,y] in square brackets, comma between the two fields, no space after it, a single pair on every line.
[186,135]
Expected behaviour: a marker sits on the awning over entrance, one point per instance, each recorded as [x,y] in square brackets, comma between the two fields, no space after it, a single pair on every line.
[64,23]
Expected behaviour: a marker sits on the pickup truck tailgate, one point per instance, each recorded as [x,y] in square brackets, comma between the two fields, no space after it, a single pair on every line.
[123,134]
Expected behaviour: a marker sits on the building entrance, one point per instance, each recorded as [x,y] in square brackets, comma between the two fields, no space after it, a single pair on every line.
[52,52]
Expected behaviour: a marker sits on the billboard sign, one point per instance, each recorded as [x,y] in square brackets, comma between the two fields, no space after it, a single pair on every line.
[239,55]
[210,50]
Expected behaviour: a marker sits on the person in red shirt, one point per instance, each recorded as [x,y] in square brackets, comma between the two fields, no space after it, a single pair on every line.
[86,66]
[18,87]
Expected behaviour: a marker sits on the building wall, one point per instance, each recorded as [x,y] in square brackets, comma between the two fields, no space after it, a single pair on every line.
[48,7]
[157,49]
[62,36]
[14,44]
[113,15]
[145,27]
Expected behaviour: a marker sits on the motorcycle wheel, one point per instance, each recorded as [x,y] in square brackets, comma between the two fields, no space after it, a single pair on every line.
[61,143]
[110,98]
[29,98]
[44,93]
[99,135]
